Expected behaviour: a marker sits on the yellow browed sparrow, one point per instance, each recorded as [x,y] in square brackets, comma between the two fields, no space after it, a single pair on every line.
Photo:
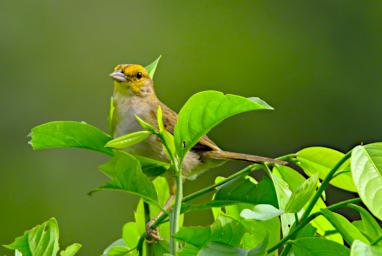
[134,95]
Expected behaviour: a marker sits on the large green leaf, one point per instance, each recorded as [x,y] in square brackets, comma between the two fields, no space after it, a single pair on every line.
[65,134]
[41,240]
[126,174]
[313,246]
[227,230]
[348,231]
[366,168]
[358,248]
[205,110]
[321,160]
[302,195]
[367,225]
[245,190]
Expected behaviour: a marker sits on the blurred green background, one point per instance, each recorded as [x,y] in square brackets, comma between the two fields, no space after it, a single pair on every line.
[317,62]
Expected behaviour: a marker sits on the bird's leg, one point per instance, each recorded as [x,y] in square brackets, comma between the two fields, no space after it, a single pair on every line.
[153,233]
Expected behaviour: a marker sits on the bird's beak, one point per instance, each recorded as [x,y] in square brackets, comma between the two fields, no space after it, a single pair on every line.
[118,76]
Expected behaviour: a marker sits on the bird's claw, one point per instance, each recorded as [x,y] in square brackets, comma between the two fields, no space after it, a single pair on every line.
[152,234]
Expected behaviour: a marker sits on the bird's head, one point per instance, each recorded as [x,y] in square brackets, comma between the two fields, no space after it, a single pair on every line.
[132,78]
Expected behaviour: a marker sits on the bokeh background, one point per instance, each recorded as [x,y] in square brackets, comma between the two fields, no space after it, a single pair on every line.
[317,62]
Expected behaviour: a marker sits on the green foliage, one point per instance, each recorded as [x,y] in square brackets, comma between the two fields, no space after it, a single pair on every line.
[42,240]
[204,110]
[128,140]
[313,246]
[359,248]
[69,134]
[282,211]
[320,160]
[366,168]
[125,174]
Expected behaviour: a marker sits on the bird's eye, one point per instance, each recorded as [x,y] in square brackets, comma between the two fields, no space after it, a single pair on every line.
[139,75]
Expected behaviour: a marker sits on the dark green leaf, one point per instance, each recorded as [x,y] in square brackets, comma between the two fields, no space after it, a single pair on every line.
[128,140]
[196,236]
[151,68]
[40,240]
[66,134]
[313,246]
[359,248]
[205,110]
[367,225]
[366,168]
[126,174]
[302,195]
[245,190]
[348,231]
[321,160]
[71,250]
[219,249]
[261,212]
[152,167]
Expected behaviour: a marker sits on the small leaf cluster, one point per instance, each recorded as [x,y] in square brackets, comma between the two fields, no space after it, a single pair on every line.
[284,212]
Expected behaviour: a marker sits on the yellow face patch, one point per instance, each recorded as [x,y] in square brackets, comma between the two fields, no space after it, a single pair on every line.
[136,76]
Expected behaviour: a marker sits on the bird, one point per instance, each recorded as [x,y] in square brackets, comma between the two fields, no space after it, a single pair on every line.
[134,95]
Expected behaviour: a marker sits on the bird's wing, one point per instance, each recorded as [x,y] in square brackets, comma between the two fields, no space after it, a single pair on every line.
[169,121]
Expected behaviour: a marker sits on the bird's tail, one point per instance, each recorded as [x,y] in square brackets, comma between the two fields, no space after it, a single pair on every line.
[220,154]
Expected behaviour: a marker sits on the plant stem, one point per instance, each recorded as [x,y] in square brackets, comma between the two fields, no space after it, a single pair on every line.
[302,224]
[175,214]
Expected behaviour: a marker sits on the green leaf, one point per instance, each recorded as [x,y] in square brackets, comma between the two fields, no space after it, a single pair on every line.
[188,250]
[118,248]
[161,247]
[245,190]
[220,249]
[302,195]
[111,113]
[358,248]
[196,236]
[152,167]
[366,168]
[66,134]
[294,180]
[261,212]
[313,246]
[151,68]
[126,174]
[146,125]
[227,230]
[367,225]
[205,110]
[163,190]
[40,240]
[321,160]
[130,234]
[71,250]
[128,140]
[348,231]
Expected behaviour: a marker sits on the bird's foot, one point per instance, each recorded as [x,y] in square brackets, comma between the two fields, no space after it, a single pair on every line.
[152,235]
